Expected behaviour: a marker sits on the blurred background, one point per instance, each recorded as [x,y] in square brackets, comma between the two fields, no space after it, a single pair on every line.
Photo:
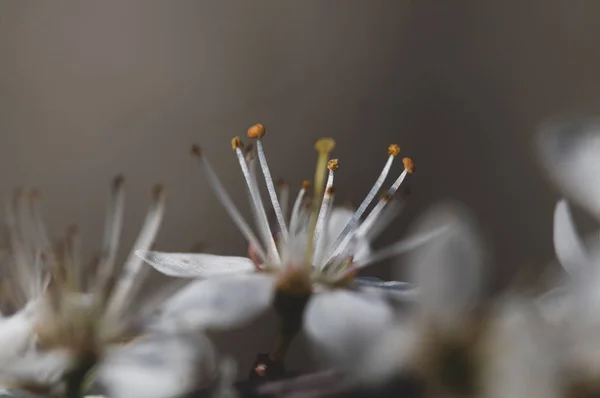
[92,89]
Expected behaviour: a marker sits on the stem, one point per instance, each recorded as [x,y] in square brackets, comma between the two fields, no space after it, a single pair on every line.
[290,311]
[282,343]
[75,378]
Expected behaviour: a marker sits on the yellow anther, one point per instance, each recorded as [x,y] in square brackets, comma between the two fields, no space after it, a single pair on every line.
[256,131]
[409,165]
[333,164]
[236,143]
[393,150]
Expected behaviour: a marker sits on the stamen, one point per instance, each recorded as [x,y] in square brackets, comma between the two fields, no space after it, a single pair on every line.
[322,222]
[323,146]
[228,203]
[258,131]
[399,247]
[332,165]
[261,213]
[39,227]
[133,271]
[73,257]
[388,214]
[112,233]
[297,207]
[21,266]
[393,151]
[251,161]
[284,197]
[346,236]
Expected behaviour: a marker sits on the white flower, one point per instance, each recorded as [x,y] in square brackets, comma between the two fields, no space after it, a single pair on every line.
[82,326]
[449,272]
[453,342]
[570,153]
[317,248]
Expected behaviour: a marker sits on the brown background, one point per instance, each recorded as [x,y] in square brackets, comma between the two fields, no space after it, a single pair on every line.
[90,89]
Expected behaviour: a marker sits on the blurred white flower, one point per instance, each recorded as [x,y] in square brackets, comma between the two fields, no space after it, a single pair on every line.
[317,248]
[570,154]
[81,326]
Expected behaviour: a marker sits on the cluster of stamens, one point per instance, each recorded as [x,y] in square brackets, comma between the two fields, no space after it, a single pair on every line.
[300,239]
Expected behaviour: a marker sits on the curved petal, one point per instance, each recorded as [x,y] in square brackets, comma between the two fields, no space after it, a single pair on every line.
[567,242]
[16,335]
[340,216]
[389,289]
[17,393]
[570,152]
[521,355]
[391,354]
[556,305]
[344,324]
[160,367]
[449,268]
[36,368]
[218,303]
[193,265]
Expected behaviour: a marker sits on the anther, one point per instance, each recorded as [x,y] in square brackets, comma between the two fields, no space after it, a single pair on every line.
[117,182]
[333,164]
[409,165]
[196,150]
[236,143]
[256,131]
[158,191]
[393,150]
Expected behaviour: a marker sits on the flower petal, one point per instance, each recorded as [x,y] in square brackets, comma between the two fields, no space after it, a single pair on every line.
[556,305]
[162,366]
[343,324]
[16,335]
[570,152]
[521,359]
[567,242]
[448,270]
[193,265]
[42,369]
[340,216]
[218,303]
[390,289]
[391,354]
[17,393]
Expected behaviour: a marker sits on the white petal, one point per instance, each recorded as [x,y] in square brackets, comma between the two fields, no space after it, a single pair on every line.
[340,216]
[389,289]
[520,355]
[160,367]
[16,335]
[391,353]
[193,265]
[41,368]
[448,270]
[216,303]
[17,393]
[570,152]
[557,305]
[344,324]
[567,243]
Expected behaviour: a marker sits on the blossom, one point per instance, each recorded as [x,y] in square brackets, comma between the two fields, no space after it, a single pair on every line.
[455,341]
[569,151]
[80,325]
[318,248]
